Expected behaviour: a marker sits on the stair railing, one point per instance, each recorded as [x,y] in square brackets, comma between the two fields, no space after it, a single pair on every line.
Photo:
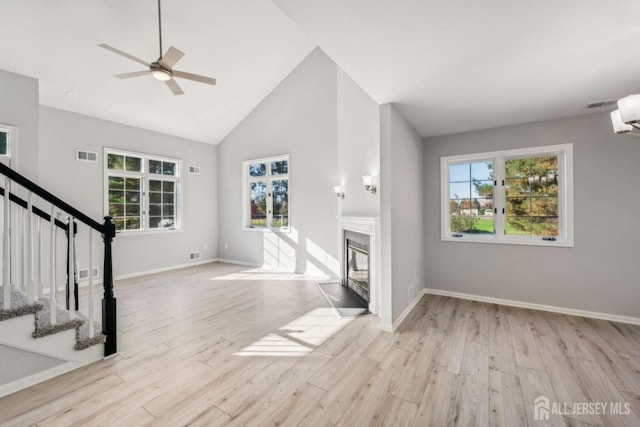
[23,252]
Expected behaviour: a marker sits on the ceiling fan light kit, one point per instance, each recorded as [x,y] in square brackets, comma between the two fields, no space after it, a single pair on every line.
[627,117]
[162,69]
[161,74]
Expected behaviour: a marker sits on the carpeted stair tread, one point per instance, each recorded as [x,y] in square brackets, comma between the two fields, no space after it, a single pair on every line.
[19,305]
[42,311]
[82,336]
[63,321]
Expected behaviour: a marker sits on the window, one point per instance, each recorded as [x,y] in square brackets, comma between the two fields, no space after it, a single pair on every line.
[6,134]
[266,193]
[520,196]
[142,191]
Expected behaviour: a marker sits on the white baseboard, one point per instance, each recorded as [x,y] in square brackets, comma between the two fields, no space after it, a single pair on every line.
[396,324]
[243,263]
[84,283]
[34,379]
[551,308]
[163,269]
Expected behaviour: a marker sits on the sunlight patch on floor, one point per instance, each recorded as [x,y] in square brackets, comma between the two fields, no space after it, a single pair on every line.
[299,337]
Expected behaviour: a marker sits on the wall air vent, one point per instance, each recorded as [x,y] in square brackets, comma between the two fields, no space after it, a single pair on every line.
[83,273]
[194,256]
[86,156]
[194,170]
[602,103]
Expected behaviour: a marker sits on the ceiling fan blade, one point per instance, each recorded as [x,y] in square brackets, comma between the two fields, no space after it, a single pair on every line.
[194,77]
[174,87]
[134,74]
[125,54]
[171,58]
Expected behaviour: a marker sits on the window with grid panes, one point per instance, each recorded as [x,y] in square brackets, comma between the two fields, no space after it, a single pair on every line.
[522,196]
[142,191]
[267,193]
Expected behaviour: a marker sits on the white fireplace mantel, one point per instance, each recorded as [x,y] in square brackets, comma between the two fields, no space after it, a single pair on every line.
[371,227]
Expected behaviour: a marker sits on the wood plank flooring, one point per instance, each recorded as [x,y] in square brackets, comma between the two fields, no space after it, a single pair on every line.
[220,345]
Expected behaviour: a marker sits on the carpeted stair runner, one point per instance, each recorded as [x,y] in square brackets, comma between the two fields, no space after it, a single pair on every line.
[82,334]
[63,321]
[41,309]
[19,305]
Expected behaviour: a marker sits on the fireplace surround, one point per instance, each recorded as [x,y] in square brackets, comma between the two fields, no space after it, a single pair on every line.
[364,231]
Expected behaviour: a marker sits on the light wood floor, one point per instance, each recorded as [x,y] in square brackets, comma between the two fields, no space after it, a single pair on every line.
[211,345]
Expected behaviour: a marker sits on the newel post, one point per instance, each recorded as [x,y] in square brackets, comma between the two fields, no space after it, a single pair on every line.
[109,301]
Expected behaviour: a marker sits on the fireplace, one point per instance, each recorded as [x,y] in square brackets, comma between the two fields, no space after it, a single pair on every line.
[356,263]
[366,231]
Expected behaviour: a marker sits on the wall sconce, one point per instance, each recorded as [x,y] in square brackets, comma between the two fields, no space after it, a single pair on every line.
[339,191]
[367,180]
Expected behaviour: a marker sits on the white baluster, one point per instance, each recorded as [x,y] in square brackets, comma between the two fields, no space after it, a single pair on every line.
[52,285]
[6,246]
[71,268]
[91,326]
[20,249]
[38,265]
[28,250]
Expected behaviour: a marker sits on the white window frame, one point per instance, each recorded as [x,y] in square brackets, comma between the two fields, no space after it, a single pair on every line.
[11,135]
[144,175]
[246,193]
[565,196]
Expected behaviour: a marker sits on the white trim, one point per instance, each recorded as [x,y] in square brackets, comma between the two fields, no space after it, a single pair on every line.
[11,132]
[268,178]
[85,283]
[145,176]
[38,378]
[242,263]
[371,227]
[533,306]
[163,269]
[396,323]
[565,196]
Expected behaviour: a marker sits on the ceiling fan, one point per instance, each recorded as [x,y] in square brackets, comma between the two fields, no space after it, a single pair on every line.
[162,68]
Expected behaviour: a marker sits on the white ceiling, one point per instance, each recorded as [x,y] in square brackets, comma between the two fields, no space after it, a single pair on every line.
[454,66]
[249,46]
[448,66]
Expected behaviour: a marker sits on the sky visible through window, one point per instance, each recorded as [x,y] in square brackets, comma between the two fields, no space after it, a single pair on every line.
[460,176]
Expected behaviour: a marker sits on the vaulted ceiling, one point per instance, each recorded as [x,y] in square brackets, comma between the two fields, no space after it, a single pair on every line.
[454,66]
[448,66]
[248,45]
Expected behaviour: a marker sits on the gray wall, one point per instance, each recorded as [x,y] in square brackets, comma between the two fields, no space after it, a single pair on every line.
[601,273]
[358,147]
[19,100]
[82,185]
[298,118]
[402,161]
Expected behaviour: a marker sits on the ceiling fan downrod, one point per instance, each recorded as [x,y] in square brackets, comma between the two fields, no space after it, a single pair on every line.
[160,28]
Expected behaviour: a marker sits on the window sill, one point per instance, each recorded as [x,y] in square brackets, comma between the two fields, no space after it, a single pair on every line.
[147,232]
[268,230]
[522,242]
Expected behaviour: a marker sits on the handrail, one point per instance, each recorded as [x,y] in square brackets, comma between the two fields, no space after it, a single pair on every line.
[45,195]
[36,210]
[107,229]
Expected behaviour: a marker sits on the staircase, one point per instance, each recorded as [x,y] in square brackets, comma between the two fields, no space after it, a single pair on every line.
[44,312]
